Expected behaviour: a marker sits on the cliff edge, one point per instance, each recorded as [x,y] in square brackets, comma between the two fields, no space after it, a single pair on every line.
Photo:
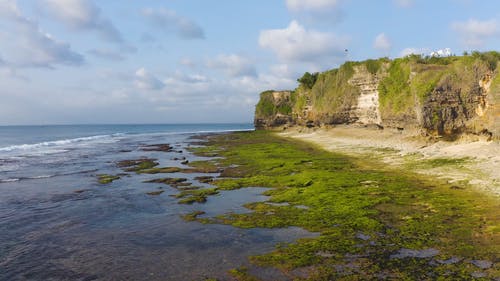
[435,96]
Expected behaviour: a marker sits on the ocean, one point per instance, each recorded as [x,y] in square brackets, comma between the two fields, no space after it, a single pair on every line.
[57,222]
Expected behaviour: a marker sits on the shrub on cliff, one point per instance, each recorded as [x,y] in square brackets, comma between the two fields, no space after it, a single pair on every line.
[265,107]
[308,79]
[268,106]
[491,58]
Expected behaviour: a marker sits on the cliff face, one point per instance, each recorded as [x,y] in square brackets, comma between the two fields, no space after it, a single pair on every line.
[366,110]
[274,109]
[437,96]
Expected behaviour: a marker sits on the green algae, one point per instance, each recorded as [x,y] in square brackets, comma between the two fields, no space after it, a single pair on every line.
[161,170]
[348,198]
[203,167]
[173,182]
[195,195]
[137,165]
[193,216]
[106,179]
[205,151]
[155,193]
[241,274]
[163,147]
[204,179]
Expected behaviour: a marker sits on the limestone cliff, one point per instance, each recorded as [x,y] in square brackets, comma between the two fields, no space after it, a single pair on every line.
[274,109]
[445,96]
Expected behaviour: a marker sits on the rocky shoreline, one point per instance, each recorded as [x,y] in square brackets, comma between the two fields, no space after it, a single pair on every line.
[374,220]
[470,160]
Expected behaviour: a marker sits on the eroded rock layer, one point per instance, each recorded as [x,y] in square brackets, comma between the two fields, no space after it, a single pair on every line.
[446,96]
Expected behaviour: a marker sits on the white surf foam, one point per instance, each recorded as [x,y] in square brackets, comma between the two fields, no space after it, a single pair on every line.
[9,180]
[57,145]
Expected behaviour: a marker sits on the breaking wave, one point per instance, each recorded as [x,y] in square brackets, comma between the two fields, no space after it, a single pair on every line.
[56,144]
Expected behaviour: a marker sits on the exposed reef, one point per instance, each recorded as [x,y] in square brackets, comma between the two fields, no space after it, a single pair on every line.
[105,179]
[373,222]
[137,165]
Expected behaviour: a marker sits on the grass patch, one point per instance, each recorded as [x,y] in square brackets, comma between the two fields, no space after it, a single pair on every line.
[332,93]
[268,107]
[438,162]
[345,201]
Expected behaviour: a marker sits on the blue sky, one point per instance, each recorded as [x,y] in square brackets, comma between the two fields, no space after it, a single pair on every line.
[184,61]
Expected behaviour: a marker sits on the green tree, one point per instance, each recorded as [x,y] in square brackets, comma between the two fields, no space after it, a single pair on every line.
[308,79]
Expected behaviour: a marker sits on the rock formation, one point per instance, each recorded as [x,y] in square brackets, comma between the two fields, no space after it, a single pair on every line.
[438,96]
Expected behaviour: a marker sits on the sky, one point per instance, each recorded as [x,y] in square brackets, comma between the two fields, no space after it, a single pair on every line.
[204,61]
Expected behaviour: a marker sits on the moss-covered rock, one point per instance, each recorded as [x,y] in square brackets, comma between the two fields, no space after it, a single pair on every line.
[173,182]
[274,109]
[373,223]
[105,179]
[137,165]
[196,195]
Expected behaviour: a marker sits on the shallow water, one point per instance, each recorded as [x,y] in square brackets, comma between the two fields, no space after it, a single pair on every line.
[116,231]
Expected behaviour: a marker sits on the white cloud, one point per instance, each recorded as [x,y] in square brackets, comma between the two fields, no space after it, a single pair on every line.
[404,3]
[187,78]
[296,44]
[311,5]
[167,20]
[474,32]
[279,77]
[9,10]
[187,62]
[413,51]
[382,42]
[146,81]
[83,15]
[27,45]
[233,65]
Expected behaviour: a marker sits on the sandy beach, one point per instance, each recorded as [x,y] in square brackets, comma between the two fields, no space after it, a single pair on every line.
[472,160]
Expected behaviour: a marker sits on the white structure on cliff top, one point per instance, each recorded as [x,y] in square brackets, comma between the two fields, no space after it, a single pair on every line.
[446,52]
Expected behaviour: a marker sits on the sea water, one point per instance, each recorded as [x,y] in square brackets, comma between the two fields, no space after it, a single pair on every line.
[58,223]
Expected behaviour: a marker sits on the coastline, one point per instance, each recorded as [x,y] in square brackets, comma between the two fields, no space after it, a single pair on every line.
[374,220]
[472,161]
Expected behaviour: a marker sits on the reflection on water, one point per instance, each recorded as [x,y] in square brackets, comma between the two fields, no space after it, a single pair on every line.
[118,232]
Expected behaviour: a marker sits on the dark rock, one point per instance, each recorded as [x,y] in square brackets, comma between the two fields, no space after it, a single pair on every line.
[157,147]
[155,193]
[451,260]
[478,274]
[204,179]
[410,253]
[483,264]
